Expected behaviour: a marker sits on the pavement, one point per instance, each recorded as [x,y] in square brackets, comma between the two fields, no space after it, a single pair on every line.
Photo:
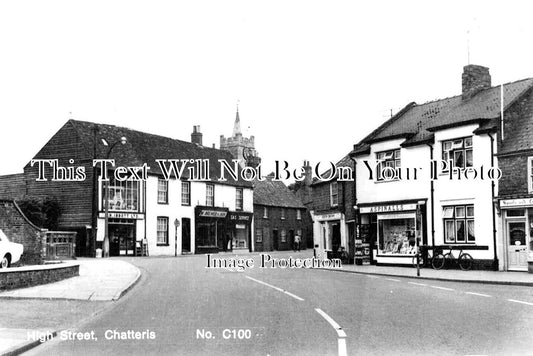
[99,280]
[451,275]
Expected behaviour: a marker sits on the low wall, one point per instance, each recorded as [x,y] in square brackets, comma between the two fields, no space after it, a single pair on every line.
[22,277]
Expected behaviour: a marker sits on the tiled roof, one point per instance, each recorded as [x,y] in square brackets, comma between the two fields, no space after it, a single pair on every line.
[417,123]
[142,147]
[345,161]
[275,193]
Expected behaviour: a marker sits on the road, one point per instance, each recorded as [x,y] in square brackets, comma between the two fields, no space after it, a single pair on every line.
[193,310]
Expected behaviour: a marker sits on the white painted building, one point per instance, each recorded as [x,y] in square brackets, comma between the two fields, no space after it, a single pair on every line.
[440,209]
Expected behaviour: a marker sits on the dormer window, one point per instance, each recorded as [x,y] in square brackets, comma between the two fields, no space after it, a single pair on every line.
[388,164]
[459,151]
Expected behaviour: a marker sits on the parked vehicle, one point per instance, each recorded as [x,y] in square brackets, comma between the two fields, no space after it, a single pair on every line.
[10,252]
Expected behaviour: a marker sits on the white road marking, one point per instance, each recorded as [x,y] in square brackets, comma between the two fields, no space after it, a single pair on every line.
[519,301]
[276,288]
[418,284]
[341,334]
[443,288]
[479,294]
[392,279]
[372,276]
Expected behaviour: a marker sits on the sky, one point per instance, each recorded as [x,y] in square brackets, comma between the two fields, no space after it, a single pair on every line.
[312,78]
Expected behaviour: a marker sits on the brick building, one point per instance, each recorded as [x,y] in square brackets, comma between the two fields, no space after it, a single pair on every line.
[331,207]
[515,194]
[278,215]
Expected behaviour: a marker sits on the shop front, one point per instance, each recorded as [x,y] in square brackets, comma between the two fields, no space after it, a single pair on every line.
[210,229]
[329,233]
[517,228]
[239,229]
[391,230]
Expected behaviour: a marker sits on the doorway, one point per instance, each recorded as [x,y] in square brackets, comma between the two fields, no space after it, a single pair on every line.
[185,235]
[516,248]
[275,239]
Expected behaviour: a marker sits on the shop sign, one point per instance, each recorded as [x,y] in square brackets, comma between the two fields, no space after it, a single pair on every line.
[123,216]
[516,202]
[240,226]
[239,217]
[333,216]
[387,208]
[213,213]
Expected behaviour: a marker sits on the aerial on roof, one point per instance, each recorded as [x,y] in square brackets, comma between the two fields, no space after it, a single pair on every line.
[275,193]
[142,147]
[416,123]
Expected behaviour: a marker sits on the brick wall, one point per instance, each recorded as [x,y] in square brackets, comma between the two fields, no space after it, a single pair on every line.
[12,186]
[20,230]
[514,175]
[22,278]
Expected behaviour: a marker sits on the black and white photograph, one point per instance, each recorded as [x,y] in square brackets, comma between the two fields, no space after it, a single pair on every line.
[244,177]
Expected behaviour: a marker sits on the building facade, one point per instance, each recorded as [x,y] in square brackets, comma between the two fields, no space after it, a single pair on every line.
[279,216]
[404,190]
[147,204]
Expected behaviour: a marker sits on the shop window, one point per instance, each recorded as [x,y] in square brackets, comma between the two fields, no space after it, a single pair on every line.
[186,193]
[123,196]
[386,161]
[162,191]
[162,230]
[298,214]
[258,234]
[459,224]
[238,199]
[283,236]
[397,235]
[265,212]
[283,214]
[530,175]
[459,151]
[333,194]
[210,195]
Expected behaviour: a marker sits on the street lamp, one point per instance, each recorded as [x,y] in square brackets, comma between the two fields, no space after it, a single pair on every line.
[122,141]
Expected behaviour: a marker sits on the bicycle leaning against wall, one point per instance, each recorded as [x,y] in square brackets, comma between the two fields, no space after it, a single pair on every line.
[447,260]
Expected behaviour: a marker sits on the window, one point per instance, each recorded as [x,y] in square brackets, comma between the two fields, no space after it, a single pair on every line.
[459,224]
[530,175]
[210,195]
[459,151]
[385,162]
[238,199]
[265,212]
[162,191]
[283,213]
[283,236]
[396,235]
[298,214]
[162,230]
[123,196]
[258,234]
[333,194]
[185,193]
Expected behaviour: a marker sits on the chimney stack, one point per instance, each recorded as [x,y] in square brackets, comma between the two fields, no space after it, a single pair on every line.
[475,79]
[196,136]
[308,174]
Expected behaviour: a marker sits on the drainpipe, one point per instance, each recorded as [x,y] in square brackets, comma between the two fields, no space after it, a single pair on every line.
[432,190]
[493,187]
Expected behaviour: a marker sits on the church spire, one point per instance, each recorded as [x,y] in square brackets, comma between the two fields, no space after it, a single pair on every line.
[237,124]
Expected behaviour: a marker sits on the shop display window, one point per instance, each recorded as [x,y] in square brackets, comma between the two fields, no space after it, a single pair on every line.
[123,196]
[397,236]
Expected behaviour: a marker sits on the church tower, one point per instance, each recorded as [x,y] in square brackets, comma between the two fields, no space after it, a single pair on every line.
[242,148]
